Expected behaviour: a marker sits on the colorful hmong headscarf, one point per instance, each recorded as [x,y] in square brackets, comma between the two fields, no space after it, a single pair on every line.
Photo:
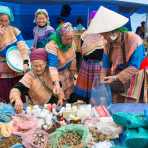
[42,11]
[7,11]
[91,43]
[122,29]
[38,54]
[62,30]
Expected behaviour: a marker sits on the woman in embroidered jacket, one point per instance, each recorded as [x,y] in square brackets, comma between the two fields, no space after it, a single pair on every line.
[42,30]
[61,60]
[123,54]
[9,36]
[36,83]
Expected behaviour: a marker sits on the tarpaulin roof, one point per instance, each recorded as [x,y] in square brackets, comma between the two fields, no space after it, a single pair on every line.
[140,2]
[137,2]
[124,5]
[24,10]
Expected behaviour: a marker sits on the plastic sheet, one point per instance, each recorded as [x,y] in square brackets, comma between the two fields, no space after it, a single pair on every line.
[135,108]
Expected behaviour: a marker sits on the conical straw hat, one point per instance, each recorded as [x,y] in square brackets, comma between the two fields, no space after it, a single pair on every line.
[106,20]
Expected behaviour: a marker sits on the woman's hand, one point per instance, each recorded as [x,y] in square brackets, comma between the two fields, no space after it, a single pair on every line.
[56,88]
[1,30]
[18,104]
[110,79]
[15,99]
[61,98]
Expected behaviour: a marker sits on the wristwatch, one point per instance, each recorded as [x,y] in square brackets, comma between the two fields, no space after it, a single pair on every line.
[55,82]
[26,61]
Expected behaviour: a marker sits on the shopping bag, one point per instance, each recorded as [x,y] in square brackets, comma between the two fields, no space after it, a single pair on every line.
[100,93]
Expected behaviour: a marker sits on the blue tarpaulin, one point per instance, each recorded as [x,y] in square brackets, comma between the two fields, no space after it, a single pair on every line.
[24,10]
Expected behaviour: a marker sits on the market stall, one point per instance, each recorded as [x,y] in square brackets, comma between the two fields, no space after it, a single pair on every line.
[73,126]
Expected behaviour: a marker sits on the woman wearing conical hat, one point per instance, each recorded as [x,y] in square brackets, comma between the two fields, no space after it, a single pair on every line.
[123,54]
[9,36]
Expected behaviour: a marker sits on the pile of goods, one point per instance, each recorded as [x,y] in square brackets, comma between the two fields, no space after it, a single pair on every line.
[73,135]
[99,136]
[53,126]
[70,138]
[9,141]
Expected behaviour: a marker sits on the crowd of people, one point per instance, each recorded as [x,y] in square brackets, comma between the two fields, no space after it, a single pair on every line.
[108,51]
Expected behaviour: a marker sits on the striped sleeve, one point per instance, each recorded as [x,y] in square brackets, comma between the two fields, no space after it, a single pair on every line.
[22,46]
[51,48]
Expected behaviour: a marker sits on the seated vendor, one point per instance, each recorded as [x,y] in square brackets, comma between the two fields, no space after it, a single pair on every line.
[36,83]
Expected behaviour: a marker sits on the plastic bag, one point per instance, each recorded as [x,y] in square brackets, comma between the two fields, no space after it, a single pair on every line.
[59,133]
[6,112]
[106,126]
[35,138]
[104,144]
[100,93]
